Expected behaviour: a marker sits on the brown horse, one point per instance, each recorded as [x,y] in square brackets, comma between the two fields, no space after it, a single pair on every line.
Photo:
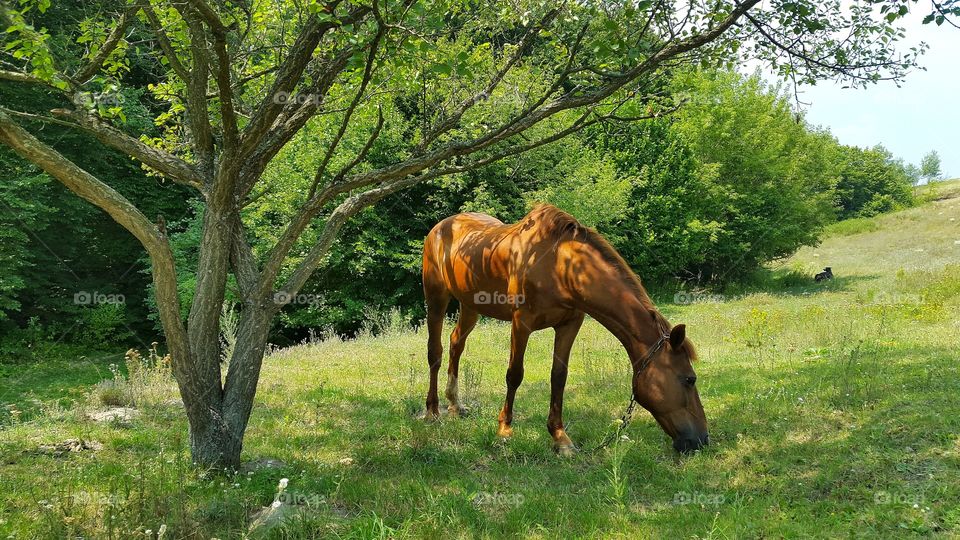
[548,270]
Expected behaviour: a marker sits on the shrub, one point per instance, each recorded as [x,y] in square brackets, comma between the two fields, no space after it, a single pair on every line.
[148,381]
[104,323]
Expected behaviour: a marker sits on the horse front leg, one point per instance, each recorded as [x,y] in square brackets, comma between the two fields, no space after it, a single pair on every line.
[519,334]
[563,339]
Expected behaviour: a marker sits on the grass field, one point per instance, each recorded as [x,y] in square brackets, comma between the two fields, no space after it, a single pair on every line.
[834,411]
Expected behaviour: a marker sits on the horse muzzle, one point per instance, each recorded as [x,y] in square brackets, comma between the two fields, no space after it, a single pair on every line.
[685,444]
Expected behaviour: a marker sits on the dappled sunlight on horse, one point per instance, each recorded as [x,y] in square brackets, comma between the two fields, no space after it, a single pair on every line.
[549,271]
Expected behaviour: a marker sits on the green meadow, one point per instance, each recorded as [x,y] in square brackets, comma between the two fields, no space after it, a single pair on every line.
[834,411]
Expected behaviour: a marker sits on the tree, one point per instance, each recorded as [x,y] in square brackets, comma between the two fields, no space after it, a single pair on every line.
[930,166]
[871,182]
[401,93]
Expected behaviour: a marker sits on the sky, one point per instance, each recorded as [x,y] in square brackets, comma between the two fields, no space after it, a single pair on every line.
[922,115]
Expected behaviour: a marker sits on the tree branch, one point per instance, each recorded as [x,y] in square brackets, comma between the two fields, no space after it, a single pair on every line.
[164,41]
[522,48]
[846,70]
[290,73]
[196,83]
[332,226]
[167,164]
[294,117]
[16,76]
[113,39]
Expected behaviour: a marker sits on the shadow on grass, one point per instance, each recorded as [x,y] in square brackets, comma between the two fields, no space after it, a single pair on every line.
[786,282]
[866,439]
[24,386]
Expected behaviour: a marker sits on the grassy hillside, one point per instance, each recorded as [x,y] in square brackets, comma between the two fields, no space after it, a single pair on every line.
[833,410]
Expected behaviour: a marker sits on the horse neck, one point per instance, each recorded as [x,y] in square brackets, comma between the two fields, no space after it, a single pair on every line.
[617,304]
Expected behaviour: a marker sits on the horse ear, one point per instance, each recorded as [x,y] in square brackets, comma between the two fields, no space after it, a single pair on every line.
[677,335]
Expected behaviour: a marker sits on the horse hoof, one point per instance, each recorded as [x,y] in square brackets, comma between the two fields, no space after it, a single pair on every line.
[429,416]
[565,451]
[504,432]
[456,411]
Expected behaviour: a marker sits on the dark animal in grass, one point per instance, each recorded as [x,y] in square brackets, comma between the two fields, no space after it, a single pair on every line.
[826,274]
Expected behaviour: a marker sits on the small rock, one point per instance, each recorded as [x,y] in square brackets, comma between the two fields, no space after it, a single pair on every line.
[346,462]
[119,414]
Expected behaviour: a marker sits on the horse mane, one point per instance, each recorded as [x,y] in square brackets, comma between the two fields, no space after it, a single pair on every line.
[562,225]
[559,226]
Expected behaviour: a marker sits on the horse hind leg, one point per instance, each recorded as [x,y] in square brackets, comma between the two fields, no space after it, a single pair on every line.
[458,340]
[437,300]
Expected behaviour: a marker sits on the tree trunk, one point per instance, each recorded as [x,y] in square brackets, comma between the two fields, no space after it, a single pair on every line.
[216,440]
[214,446]
[243,374]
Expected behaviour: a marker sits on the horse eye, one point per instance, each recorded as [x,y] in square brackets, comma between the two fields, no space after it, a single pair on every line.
[690,381]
